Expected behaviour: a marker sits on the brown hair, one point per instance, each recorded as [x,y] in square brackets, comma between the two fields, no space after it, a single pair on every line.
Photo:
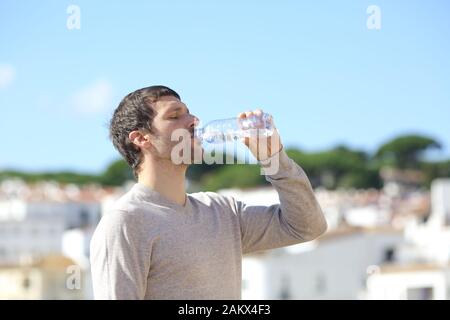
[135,112]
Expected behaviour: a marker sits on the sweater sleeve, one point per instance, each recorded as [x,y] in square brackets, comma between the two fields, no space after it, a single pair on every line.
[297,218]
[120,258]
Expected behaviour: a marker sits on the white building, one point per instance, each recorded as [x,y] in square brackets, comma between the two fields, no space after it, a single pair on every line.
[44,220]
[27,231]
[33,218]
[423,267]
[363,208]
[36,228]
[76,246]
[368,216]
[371,235]
[409,282]
[333,267]
[47,278]
[428,240]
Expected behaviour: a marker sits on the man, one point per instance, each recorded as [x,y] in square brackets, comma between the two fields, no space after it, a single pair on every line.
[161,243]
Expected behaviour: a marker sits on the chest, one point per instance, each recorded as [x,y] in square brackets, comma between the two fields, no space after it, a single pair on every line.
[196,242]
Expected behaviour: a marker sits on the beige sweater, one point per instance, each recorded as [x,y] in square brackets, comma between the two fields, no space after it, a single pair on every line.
[149,247]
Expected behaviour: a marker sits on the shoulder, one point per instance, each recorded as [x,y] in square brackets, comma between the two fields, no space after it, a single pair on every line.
[117,223]
[121,217]
[118,227]
[129,209]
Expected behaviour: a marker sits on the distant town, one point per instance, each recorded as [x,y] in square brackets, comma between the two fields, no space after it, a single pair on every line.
[386,241]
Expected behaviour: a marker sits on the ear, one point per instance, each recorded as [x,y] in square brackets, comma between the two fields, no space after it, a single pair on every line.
[140,139]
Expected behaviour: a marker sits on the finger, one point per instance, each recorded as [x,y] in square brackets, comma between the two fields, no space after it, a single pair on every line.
[246,141]
[258,112]
[241,115]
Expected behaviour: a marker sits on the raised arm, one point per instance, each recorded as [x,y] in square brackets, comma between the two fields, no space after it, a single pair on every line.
[298,218]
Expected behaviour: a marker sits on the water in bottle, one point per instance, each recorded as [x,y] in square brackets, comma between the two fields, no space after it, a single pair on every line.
[219,131]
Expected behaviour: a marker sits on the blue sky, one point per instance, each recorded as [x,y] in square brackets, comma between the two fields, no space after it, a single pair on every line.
[315,66]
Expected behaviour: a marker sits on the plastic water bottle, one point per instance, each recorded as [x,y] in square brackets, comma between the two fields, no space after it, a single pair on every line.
[219,131]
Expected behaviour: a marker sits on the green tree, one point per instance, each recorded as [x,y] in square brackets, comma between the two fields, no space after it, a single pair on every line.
[196,172]
[434,170]
[116,174]
[339,167]
[404,152]
[63,177]
[234,176]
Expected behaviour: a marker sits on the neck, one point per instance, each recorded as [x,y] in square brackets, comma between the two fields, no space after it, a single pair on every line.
[165,178]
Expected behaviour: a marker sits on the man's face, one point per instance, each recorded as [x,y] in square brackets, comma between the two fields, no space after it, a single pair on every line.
[171,114]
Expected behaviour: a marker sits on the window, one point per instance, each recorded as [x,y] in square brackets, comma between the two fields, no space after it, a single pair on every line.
[84,218]
[321,284]
[447,218]
[244,284]
[389,255]
[285,291]
[26,283]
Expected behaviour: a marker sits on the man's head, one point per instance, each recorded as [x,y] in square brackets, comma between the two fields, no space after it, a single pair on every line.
[143,123]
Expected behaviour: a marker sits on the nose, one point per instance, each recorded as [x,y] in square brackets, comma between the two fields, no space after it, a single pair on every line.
[194,121]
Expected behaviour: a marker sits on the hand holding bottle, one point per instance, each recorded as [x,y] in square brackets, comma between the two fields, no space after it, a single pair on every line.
[254,128]
[258,119]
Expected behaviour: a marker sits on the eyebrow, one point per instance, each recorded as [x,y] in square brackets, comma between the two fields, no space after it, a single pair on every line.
[176,109]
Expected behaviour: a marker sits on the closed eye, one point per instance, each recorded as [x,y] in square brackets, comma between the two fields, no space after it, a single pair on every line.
[177,113]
